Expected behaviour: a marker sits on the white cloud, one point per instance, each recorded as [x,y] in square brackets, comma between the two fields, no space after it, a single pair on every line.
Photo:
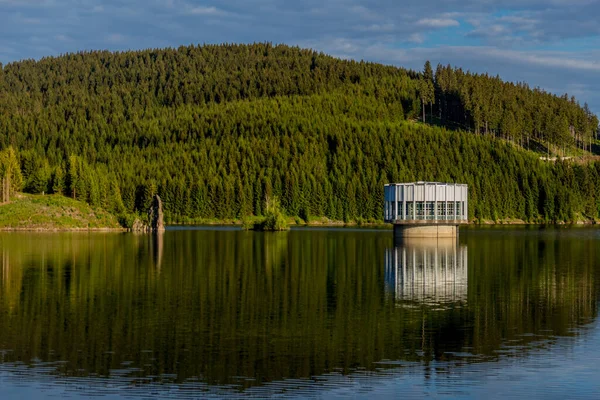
[500,36]
[205,11]
[416,38]
[438,22]
[377,28]
[365,13]
[562,60]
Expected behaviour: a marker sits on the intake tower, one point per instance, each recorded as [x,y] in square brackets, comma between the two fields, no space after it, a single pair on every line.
[426,209]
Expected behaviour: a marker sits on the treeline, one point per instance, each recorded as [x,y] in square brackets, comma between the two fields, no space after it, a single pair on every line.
[224,160]
[101,85]
[214,130]
[515,112]
[90,84]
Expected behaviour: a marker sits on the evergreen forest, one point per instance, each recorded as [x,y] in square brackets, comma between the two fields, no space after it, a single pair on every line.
[217,129]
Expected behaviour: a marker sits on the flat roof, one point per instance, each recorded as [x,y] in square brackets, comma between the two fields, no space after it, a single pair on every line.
[427,183]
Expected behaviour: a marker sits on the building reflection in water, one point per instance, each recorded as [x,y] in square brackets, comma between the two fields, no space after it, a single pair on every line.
[427,271]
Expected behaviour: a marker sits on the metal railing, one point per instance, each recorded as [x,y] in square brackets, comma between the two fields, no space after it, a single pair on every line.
[394,214]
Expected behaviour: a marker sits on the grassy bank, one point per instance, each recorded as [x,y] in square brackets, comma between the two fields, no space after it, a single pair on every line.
[53,213]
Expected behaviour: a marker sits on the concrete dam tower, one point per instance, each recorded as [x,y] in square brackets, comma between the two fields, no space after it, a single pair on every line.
[426,209]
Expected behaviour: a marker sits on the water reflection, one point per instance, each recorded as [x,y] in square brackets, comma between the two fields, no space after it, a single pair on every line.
[427,271]
[158,245]
[239,312]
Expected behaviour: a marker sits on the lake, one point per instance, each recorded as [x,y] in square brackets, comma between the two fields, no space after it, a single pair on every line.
[218,312]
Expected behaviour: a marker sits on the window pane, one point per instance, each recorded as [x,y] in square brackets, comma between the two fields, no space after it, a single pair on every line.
[420,210]
[441,209]
[430,210]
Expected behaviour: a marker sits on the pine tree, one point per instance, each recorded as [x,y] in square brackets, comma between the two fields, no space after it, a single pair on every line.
[10,170]
[58,180]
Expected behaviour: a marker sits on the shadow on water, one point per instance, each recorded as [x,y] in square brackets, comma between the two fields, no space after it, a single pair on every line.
[229,311]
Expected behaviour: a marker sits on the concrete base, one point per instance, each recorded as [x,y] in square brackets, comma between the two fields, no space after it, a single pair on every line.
[427,244]
[425,231]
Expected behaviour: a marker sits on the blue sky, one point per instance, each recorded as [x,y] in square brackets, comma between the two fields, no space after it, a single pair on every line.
[553,44]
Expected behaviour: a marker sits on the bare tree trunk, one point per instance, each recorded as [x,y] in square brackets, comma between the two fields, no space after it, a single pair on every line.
[422,101]
[430,111]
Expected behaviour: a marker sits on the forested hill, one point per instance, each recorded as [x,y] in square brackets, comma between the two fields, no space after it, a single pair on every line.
[215,129]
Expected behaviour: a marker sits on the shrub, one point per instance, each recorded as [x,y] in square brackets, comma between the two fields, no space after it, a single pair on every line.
[274,219]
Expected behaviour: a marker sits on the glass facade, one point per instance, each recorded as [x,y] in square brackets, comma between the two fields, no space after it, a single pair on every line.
[426,201]
[421,210]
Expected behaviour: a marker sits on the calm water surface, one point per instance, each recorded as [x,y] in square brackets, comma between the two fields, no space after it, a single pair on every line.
[308,313]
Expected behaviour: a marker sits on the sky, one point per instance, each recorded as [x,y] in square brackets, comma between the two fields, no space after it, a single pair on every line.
[553,44]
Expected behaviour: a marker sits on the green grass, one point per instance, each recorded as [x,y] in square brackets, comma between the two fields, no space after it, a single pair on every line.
[53,212]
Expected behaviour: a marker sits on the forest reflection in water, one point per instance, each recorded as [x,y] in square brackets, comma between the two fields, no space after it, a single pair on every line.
[240,310]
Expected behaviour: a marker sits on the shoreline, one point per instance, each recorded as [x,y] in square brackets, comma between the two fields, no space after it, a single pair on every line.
[382,225]
[59,230]
[316,224]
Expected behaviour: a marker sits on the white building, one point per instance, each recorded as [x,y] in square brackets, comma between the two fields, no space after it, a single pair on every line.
[422,201]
